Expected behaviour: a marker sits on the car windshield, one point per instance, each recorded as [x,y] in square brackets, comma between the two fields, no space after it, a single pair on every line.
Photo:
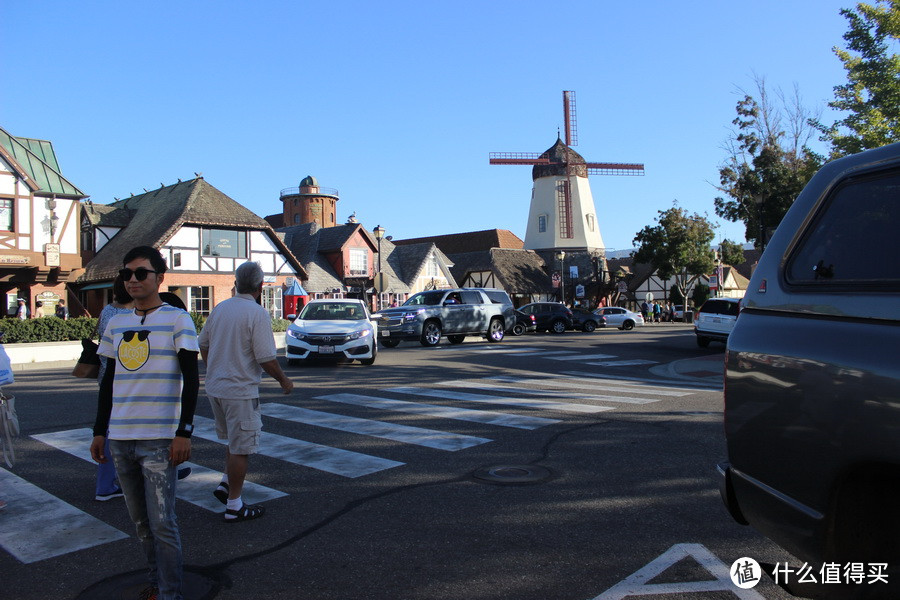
[425,299]
[333,311]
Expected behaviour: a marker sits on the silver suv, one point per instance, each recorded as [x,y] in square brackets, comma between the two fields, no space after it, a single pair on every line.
[715,320]
[454,313]
[812,379]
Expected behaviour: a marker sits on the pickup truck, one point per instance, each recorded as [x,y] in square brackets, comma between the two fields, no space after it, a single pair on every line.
[454,313]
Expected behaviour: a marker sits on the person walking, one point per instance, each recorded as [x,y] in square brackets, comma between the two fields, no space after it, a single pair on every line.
[21,309]
[107,487]
[237,344]
[146,403]
[657,311]
[38,309]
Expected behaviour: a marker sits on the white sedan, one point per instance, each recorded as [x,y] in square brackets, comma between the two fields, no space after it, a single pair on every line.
[620,317]
[336,328]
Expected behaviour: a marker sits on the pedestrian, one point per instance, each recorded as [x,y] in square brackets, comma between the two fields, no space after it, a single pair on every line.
[21,309]
[644,310]
[107,486]
[237,344]
[61,311]
[38,309]
[146,403]
[657,311]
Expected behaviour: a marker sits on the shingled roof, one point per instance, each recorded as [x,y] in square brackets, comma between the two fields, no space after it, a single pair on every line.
[154,217]
[519,271]
[458,243]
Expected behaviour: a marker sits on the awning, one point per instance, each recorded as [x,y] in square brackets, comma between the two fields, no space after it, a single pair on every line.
[96,286]
[295,290]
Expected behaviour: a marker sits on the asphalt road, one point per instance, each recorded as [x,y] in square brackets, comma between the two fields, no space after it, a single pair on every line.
[570,467]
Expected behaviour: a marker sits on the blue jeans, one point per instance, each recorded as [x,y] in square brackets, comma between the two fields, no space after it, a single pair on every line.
[148,480]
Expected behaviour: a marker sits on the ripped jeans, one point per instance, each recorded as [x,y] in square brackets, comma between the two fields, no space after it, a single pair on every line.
[148,480]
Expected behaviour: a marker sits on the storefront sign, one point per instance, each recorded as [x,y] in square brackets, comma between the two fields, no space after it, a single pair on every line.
[51,255]
[13,259]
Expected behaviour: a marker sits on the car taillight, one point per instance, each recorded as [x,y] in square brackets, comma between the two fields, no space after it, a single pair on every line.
[533,318]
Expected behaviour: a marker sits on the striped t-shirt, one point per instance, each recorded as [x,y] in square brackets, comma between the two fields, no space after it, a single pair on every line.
[148,382]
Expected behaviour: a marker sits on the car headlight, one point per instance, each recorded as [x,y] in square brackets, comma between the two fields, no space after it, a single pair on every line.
[297,335]
[360,334]
[412,315]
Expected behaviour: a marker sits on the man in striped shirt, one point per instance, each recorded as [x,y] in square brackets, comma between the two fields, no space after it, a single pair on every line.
[146,403]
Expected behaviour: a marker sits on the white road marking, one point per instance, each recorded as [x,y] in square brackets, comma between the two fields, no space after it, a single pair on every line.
[323,458]
[551,393]
[197,488]
[674,384]
[460,414]
[38,525]
[621,363]
[636,584]
[579,356]
[440,440]
[620,387]
[526,402]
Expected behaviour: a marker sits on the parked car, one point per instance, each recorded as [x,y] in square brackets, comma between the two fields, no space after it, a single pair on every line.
[524,324]
[812,382]
[715,320]
[549,316]
[678,311]
[454,313]
[620,317]
[332,329]
[585,320]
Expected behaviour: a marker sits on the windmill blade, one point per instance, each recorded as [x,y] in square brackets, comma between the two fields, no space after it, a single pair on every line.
[569,118]
[615,168]
[517,158]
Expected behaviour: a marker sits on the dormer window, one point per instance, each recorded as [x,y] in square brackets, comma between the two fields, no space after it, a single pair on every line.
[359,261]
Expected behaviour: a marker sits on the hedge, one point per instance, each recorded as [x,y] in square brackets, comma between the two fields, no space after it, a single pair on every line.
[54,329]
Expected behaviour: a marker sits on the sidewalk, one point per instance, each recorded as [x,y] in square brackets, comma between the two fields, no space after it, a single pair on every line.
[708,369]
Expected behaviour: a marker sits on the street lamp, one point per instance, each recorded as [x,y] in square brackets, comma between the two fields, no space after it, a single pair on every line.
[379,234]
[561,256]
[760,201]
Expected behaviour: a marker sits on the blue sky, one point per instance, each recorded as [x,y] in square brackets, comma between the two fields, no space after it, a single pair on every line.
[397,104]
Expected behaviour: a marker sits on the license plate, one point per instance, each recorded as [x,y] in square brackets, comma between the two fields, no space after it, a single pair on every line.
[326,349]
[385,333]
[716,320]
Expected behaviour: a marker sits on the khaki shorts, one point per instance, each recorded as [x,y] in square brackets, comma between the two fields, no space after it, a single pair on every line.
[239,422]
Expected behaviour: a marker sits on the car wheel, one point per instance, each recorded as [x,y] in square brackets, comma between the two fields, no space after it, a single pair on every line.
[495,331]
[456,339]
[371,361]
[431,334]
[558,326]
[518,329]
[388,343]
[628,325]
[703,342]
[588,326]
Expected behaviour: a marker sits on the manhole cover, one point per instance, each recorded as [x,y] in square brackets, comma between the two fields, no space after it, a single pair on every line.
[512,474]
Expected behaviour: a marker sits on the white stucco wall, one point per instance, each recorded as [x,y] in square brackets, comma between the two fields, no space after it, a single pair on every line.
[544,201]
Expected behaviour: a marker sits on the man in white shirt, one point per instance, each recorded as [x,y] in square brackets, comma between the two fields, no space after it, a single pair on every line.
[237,345]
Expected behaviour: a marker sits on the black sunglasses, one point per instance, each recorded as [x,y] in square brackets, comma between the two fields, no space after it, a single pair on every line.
[140,273]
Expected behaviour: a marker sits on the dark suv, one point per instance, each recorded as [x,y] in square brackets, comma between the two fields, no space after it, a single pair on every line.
[549,316]
[812,383]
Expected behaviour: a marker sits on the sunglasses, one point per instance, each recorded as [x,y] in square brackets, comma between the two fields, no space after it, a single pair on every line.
[140,273]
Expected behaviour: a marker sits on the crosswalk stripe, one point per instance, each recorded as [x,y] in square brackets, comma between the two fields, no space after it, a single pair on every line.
[552,382]
[526,402]
[460,414]
[694,386]
[487,386]
[196,489]
[37,525]
[621,363]
[579,356]
[323,458]
[440,440]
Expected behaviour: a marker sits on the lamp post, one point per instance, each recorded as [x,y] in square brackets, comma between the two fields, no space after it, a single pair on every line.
[760,202]
[379,234]
[561,256]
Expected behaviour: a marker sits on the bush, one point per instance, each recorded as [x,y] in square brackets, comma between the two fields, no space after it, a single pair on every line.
[199,321]
[280,324]
[46,329]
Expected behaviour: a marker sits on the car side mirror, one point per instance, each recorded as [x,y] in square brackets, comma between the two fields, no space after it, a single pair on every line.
[291,317]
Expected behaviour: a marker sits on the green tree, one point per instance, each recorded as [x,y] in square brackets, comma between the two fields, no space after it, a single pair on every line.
[678,247]
[870,99]
[769,161]
[731,253]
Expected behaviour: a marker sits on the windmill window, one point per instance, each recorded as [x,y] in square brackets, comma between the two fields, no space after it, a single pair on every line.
[542,223]
[590,222]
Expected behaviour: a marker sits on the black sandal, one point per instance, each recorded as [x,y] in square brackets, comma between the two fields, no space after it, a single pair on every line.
[244,513]
[221,492]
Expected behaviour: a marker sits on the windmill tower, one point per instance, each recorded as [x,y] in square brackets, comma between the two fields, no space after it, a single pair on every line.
[562,214]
